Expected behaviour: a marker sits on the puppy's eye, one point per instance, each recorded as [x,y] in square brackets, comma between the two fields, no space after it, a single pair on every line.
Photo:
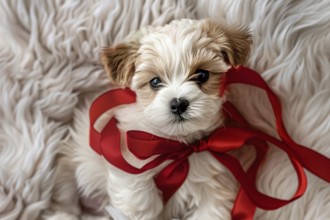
[155,83]
[202,76]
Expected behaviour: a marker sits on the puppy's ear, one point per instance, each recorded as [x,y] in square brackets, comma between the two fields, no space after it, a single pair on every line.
[119,62]
[234,42]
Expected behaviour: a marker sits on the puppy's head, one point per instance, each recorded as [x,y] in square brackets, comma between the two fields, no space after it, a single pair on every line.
[176,72]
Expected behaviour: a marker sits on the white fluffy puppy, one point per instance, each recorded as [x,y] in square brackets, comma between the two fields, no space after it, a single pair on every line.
[176,72]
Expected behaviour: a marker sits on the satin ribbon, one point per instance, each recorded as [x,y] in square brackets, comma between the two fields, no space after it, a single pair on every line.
[144,145]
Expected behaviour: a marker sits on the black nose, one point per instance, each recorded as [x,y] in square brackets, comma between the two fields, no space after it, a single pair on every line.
[179,106]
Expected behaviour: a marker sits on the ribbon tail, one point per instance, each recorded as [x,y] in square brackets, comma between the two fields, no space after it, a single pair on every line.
[244,208]
[172,177]
[259,199]
[313,161]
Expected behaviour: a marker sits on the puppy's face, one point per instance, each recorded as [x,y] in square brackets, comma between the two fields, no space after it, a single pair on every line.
[176,72]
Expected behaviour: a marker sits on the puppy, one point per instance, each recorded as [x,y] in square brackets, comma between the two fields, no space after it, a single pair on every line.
[176,72]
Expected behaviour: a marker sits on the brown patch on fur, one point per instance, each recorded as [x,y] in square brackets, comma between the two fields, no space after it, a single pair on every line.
[119,62]
[212,62]
[145,93]
[234,43]
[211,86]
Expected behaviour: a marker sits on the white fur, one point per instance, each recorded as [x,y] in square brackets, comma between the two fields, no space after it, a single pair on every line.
[49,62]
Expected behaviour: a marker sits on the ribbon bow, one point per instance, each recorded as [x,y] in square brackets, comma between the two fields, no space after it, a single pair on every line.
[144,145]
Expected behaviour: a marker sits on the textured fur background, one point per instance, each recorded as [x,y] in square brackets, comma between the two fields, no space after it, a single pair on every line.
[49,67]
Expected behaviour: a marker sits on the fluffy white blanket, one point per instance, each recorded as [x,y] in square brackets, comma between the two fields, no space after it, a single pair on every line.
[49,65]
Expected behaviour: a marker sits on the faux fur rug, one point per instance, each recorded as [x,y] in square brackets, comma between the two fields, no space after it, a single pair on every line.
[49,66]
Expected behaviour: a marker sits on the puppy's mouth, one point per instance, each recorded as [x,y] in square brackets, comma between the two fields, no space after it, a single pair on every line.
[179,119]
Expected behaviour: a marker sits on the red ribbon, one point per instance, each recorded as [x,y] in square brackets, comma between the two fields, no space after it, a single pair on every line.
[144,145]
